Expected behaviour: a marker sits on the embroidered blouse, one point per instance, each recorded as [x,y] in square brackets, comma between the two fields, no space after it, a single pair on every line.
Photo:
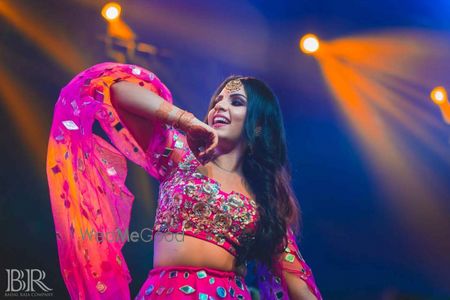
[86,177]
[195,204]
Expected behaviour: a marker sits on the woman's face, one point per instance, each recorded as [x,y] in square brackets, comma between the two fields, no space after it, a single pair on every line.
[228,112]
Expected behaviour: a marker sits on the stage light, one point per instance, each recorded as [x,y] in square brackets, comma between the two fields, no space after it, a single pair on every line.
[439,95]
[111,11]
[309,43]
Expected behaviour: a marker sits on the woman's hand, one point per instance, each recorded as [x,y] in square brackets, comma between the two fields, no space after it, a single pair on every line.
[201,138]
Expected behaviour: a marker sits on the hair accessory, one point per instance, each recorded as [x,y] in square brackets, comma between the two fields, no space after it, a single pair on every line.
[233,85]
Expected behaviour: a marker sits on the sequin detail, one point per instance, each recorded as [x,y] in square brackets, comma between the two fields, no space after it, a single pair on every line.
[69,124]
[101,287]
[202,296]
[169,291]
[194,204]
[221,292]
[289,257]
[160,290]
[201,274]
[239,283]
[149,290]
[173,274]
[187,289]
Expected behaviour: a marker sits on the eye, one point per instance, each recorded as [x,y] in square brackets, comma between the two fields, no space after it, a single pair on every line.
[237,101]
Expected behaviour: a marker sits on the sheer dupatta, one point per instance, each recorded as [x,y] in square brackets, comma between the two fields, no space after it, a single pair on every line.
[86,175]
[272,283]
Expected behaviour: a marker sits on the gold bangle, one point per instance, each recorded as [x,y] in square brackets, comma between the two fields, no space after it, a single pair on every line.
[176,124]
[184,120]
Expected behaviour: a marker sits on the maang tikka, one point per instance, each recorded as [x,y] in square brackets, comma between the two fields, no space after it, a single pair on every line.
[233,85]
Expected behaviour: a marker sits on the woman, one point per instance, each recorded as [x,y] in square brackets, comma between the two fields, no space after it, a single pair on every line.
[225,189]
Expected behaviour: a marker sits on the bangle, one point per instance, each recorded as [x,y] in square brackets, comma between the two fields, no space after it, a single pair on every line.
[184,120]
[176,124]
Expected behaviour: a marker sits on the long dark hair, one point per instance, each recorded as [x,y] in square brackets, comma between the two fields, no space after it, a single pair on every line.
[267,172]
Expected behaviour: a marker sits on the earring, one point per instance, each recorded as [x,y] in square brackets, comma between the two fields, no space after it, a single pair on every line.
[258,130]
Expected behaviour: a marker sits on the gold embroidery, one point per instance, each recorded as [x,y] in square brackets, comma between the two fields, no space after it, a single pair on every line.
[233,85]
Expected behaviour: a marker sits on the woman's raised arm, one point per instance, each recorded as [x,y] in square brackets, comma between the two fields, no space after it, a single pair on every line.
[138,107]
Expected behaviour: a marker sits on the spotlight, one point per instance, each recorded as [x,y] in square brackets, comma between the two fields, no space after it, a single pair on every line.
[439,95]
[111,11]
[309,43]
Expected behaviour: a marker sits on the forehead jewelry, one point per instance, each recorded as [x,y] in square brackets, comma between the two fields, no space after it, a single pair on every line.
[233,85]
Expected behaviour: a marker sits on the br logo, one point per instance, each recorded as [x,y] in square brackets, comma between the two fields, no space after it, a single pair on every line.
[26,280]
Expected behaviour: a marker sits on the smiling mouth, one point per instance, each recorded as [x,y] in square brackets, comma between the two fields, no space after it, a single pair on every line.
[217,125]
[219,121]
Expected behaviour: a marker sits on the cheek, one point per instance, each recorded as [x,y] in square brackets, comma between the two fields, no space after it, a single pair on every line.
[210,114]
[240,118]
[243,114]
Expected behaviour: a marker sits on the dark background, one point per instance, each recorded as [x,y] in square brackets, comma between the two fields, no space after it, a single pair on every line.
[357,244]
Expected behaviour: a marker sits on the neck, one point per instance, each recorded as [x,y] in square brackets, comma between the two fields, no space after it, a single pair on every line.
[231,160]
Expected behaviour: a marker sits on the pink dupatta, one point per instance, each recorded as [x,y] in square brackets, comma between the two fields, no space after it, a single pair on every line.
[86,177]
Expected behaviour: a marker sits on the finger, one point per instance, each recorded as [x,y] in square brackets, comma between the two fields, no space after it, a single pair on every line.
[209,156]
[203,156]
[203,160]
[214,143]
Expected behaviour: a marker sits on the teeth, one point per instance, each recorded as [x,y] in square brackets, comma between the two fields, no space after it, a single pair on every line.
[220,119]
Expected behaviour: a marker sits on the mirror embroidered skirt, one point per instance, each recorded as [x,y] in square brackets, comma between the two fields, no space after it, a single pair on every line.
[188,282]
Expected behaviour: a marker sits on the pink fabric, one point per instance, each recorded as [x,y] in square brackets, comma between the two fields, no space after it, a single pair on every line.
[195,204]
[272,283]
[186,282]
[86,177]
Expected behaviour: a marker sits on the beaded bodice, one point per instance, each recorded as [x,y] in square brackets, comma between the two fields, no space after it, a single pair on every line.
[192,203]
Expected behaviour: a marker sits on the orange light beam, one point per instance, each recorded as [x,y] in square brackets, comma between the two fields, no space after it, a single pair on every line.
[57,46]
[358,82]
[28,117]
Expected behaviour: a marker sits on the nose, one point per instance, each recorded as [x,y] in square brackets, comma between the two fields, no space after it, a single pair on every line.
[222,104]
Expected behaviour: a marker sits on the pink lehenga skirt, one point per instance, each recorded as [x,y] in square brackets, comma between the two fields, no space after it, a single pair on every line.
[186,282]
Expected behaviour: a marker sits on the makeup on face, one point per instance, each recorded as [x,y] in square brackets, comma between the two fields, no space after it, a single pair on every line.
[221,118]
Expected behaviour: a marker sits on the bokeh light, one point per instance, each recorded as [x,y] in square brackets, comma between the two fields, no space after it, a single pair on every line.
[438,95]
[309,43]
[111,11]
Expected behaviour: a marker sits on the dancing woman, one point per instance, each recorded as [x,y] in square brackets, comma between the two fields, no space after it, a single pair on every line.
[224,186]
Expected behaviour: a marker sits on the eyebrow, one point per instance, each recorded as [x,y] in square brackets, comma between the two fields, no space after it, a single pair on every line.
[237,94]
[220,97]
